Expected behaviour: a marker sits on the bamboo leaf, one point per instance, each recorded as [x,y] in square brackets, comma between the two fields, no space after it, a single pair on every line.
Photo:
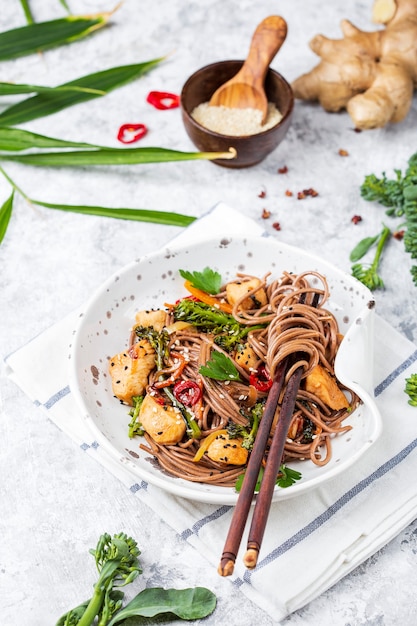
[5,215]
[65,5]
[113,156]
[11,89]
[137,215]
[39,36]
[27,11]
[16,139]
[47,103]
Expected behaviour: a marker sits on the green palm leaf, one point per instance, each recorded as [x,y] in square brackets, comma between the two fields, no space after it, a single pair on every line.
[90,86]
[16,139]
[44,35]
[11,89]
[113,156]
[136,215]
[5,214]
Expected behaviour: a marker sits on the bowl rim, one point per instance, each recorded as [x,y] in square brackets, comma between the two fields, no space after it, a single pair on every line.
[237,137]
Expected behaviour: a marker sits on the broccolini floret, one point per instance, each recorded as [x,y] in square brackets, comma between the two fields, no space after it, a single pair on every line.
[229,334]
[400,196]
[159,341]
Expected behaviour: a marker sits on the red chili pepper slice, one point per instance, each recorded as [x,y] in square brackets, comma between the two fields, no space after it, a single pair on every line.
[187,392]
[163,100]
[129,133]
[260,379]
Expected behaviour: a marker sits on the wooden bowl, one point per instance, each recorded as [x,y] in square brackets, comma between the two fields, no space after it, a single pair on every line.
[251,149]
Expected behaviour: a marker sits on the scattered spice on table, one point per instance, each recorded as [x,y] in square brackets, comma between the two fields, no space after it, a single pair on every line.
[307,192]
[356,219]
[130,133]
[289,193]
[262,193]
[283,170]
[276,226]
[163,100]
[343,153]
[266,214]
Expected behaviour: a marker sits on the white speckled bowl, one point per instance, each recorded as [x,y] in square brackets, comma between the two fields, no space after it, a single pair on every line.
[154,279]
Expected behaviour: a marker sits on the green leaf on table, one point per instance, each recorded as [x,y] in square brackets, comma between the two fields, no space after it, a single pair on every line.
[36,37]
[208,280]
[11,89]
[5,215]
[138,215]
[113,156]
[27,11]
[74,92]
[187,604]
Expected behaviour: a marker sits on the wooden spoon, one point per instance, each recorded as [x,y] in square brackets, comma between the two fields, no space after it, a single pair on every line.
[246,89]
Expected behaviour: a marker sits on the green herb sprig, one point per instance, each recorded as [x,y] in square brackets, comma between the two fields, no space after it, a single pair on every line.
[399,195]
[220,367]
[286,478]
[411,389]
[118,565]
[207,280]
[368,273]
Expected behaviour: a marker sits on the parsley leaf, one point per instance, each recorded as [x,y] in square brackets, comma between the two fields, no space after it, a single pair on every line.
[208,280]
[219,367]
[285,478]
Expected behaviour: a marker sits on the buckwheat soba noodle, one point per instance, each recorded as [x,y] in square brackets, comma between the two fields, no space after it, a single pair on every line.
[197,374]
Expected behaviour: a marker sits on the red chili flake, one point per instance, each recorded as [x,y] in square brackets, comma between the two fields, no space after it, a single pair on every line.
[163,100]
[129,133]
[187,392]
[276,225]
[310,192]
[283,170]
[289,193]
[343,152]
[357,130]
[262,193]
[260,379]
[399,234]
[356,219]
[301,195]
[266,214]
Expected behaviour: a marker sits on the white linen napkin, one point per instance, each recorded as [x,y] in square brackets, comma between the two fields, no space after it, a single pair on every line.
[333,529]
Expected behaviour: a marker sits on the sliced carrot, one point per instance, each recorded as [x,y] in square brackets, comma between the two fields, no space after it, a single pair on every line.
[207,298]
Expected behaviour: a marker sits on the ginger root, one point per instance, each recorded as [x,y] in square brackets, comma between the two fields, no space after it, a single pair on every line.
[371,74]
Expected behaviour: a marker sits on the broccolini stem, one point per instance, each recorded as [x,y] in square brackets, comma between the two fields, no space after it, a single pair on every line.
[93,608]
[380,246]
[193,429]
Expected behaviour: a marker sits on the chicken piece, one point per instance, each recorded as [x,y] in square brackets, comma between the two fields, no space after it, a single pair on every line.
[226,450]
[235,291]
[163,423]
[130,370]
[325,387]
[153,317]
[246,357]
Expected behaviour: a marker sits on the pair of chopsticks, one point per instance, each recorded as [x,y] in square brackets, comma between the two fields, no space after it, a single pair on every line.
[264,497]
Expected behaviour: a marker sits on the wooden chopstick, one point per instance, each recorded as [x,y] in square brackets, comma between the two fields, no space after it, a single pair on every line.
[240,514]
[264,497]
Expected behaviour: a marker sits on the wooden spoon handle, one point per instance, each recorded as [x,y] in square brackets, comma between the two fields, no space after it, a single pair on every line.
[266,41]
